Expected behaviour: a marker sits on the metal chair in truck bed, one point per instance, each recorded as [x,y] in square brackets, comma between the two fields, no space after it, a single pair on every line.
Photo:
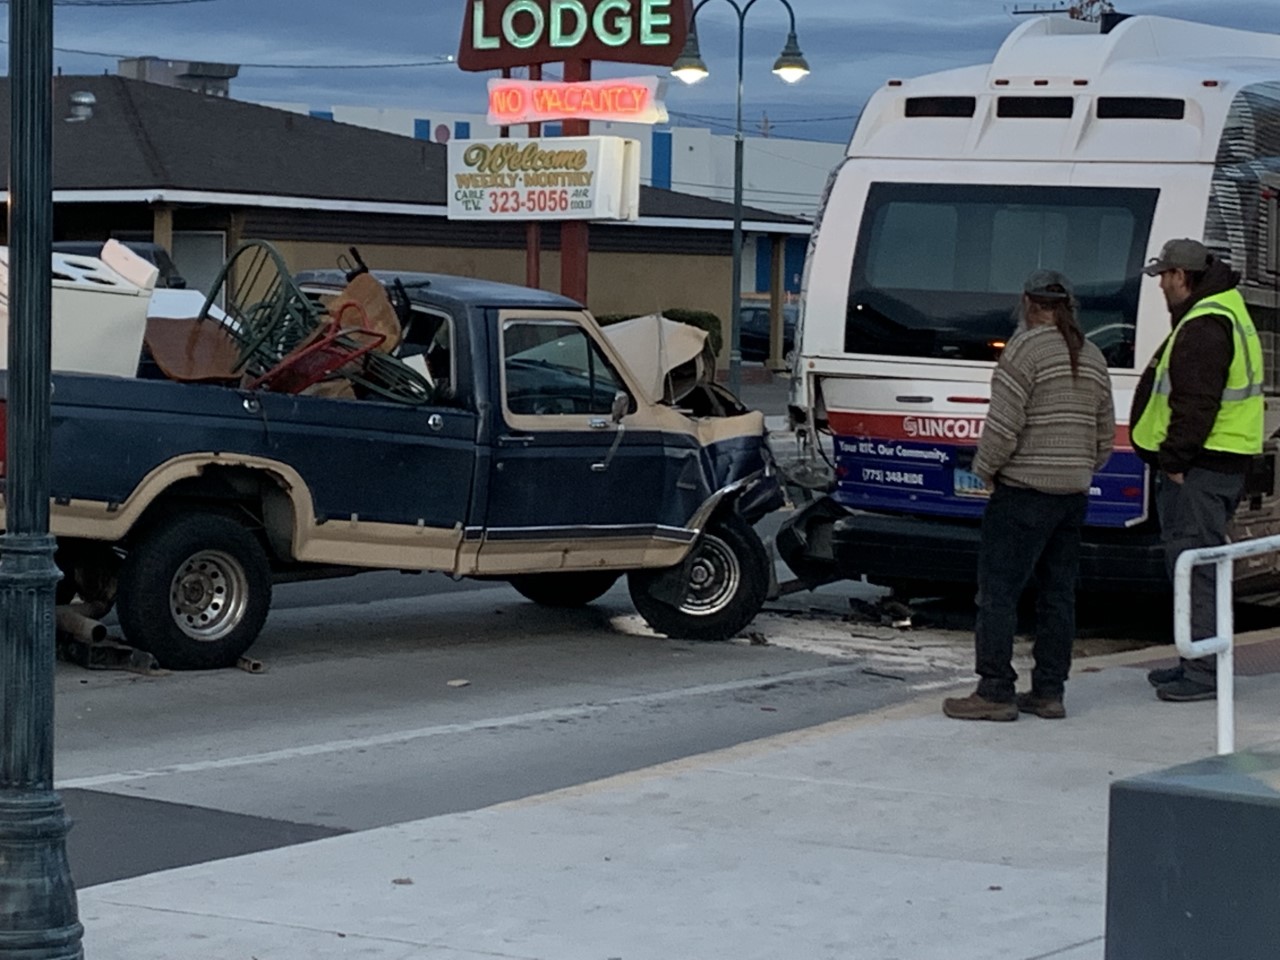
[288,341]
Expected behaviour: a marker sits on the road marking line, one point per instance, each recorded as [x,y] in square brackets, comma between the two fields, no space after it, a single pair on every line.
[938,684]
[424,733]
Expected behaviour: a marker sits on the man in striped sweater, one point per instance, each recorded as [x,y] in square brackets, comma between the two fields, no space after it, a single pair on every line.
[1049,429]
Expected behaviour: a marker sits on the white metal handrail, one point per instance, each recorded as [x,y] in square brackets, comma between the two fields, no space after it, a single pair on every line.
[1223,643]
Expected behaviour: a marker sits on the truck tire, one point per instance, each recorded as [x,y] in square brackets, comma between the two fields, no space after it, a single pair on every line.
[195,591]
[726,580]
[565,589]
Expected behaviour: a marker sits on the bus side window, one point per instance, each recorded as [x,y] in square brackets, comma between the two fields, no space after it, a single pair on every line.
[1271,255]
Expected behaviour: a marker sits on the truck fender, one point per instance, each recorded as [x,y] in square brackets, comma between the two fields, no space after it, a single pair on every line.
[91,521]
[751,497]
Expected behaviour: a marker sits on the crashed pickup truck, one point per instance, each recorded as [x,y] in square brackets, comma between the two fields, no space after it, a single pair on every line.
[534,447]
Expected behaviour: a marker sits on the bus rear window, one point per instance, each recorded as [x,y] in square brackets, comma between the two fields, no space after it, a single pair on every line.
[939,268]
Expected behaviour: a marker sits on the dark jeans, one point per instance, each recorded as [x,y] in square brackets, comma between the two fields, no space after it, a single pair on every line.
[1195,514]
[1026,533]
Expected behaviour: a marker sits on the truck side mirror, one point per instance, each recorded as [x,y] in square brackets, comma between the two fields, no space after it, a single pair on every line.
[621,404]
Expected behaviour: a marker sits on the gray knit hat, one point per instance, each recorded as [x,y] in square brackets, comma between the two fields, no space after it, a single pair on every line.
[1042,283]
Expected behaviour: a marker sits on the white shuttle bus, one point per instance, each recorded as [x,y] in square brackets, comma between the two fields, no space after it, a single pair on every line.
[1083,147]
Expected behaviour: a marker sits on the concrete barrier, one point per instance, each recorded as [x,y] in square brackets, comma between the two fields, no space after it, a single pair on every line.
[1192,861]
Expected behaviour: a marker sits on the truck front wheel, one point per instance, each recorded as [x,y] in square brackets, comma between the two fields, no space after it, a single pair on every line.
[195,591]
[723,585]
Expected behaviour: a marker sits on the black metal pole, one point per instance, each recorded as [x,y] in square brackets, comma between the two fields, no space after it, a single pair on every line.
[38,916]
[739,164]
[739,148]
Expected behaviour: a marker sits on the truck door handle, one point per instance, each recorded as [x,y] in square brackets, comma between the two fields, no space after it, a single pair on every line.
[603,465]
[508,440]
[600,423]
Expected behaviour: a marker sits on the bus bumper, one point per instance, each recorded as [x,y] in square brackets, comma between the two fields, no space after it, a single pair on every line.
[911,551]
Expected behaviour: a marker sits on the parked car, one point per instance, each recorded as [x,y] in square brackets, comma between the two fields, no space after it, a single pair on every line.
[755,330]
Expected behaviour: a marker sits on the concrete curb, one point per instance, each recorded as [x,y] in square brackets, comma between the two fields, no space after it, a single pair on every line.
[922,705]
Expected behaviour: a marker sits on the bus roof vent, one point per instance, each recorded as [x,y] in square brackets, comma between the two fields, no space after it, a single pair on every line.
[1141,108]
[1023,108]
[941,106]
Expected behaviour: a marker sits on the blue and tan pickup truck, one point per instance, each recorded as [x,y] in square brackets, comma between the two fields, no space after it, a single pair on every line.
[543,454]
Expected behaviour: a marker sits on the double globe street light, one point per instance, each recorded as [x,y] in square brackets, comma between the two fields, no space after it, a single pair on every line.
[792,67]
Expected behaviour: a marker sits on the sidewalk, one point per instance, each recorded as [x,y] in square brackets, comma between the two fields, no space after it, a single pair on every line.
[894,836]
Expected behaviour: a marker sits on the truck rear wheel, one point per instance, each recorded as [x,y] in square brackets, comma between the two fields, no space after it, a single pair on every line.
[565,589]
[195,591]
[725,581]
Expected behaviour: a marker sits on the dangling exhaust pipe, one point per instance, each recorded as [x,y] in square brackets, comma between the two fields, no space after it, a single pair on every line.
[79,627]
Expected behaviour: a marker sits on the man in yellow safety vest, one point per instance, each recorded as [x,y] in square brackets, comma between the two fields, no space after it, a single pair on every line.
[1198,419]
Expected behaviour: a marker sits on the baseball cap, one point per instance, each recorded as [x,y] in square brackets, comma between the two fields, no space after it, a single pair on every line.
[1183,254]
[1041,281]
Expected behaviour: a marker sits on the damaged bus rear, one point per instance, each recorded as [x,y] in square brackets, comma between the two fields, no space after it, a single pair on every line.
[1082,148]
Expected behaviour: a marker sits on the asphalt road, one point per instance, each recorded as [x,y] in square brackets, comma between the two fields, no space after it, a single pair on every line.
[390,698]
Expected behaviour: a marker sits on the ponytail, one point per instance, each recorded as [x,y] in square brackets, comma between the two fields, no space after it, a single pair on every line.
[1065,320]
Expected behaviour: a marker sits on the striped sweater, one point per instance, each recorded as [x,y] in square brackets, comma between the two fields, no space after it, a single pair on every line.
[1046,429]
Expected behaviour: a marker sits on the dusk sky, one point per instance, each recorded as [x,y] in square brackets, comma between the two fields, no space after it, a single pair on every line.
[852,45]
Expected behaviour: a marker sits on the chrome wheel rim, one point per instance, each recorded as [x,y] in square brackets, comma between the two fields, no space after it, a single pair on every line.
[209,595]
[714,578]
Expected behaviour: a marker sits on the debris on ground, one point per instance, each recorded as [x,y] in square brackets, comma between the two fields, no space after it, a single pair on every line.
[107,654]
[868,671]
[458,683]
[886,612]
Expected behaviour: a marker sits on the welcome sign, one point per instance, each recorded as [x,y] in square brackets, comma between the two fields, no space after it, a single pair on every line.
[497,34]
[560,178]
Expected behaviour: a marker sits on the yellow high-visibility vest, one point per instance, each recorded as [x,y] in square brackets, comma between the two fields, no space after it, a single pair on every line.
[1239,424]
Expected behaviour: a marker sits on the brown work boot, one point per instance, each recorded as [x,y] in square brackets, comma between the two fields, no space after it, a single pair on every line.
[974,707]
[1048,706]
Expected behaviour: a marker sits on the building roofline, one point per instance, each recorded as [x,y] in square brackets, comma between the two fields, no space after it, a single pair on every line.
[162,195]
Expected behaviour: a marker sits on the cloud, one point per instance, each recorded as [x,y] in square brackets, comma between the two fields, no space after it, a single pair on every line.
[853,47]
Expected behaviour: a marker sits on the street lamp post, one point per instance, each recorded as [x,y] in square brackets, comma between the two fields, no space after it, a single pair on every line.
[791,67]
[37,898]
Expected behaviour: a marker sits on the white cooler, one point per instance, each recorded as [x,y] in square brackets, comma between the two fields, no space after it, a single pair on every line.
[99,310]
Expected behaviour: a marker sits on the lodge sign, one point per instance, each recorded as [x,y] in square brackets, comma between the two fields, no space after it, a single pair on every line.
[513,33]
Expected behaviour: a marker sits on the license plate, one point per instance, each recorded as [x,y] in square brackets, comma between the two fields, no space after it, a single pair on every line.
[968,484]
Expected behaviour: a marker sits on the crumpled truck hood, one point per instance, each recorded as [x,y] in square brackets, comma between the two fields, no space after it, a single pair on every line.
[667,357]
